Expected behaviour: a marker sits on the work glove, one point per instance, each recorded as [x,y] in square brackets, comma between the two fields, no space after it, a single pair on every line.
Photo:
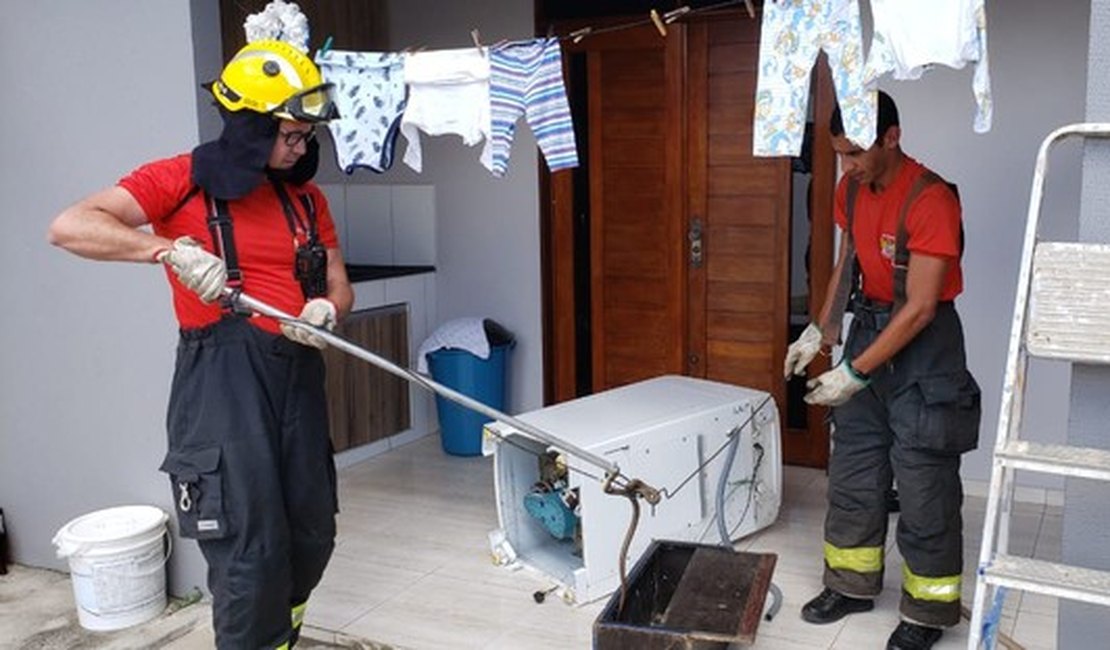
[319,312]
[802,351]
[836,386]
[196,268]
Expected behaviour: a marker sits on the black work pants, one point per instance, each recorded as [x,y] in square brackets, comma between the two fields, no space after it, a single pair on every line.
[920,412]
[253,476]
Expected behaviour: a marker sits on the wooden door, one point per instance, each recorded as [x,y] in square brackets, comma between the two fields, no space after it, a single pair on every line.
[349,25]
[739,207]
[668,164]
[637,273]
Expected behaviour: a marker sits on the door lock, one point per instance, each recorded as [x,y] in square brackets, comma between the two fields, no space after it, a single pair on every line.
[694,235]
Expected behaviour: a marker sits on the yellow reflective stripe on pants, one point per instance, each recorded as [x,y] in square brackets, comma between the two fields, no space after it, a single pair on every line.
[298,615]
[865,559]
[284,646]
[945,589]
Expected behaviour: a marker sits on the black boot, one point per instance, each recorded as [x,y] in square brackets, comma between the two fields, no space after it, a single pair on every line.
[911,636]
[831,606]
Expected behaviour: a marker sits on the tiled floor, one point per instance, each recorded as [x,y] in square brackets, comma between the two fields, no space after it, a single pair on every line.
[412,568]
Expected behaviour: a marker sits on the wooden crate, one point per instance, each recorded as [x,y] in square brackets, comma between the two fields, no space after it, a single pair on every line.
[685,596]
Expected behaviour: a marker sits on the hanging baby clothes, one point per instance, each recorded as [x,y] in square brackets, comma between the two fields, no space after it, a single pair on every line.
[793,32]
[912,35]
[448,93]
[370,96]
[526,78]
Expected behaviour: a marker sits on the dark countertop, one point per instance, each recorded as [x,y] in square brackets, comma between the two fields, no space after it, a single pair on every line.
[368,272]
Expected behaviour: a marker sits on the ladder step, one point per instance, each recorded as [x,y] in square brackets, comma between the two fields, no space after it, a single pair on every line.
[1069,302]
[1059,580]
[1082,462]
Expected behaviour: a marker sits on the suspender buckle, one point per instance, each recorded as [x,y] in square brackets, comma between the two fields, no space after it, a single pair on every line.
[231,304]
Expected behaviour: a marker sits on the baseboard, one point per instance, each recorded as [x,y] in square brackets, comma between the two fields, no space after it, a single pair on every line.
[362,453]
[1022,493]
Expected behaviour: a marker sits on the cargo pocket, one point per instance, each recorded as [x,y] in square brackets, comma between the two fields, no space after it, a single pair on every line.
[197,492]
[950,412]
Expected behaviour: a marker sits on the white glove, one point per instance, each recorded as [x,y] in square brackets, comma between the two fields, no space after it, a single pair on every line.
[319,312]
[196,268]
[802,351]
[836,386]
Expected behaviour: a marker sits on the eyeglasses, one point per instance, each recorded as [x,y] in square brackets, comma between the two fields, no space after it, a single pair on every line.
[293,138]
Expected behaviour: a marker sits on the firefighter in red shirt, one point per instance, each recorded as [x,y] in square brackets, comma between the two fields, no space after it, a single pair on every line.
[249,455]
[905,405]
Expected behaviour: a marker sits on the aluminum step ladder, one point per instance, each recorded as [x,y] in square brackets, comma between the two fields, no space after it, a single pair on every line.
[1062,311]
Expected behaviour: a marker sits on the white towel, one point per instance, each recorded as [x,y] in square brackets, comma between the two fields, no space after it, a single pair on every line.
[462,333]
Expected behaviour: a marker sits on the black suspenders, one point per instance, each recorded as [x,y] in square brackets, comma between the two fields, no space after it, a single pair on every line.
[847,283]
[223,244]
[223,237]
[849,275]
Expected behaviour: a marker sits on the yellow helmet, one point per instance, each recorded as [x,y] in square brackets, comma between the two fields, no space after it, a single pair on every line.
[276,78]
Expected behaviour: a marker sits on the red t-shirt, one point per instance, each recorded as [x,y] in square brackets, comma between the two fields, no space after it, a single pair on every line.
[932,223]
[263,241]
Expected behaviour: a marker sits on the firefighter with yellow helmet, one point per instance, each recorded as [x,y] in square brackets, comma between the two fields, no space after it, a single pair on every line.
[249,457]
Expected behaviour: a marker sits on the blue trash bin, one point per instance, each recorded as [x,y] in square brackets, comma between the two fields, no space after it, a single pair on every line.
[481,379]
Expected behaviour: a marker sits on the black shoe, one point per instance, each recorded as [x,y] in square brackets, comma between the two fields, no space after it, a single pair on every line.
[831,606]
[911,636]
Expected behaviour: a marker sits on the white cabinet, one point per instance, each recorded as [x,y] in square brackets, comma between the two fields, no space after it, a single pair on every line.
[416,293]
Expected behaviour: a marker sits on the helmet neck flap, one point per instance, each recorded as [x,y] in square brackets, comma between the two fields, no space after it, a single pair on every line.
[231,166]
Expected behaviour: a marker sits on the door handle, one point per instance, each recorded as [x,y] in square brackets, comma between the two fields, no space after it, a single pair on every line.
[694,235]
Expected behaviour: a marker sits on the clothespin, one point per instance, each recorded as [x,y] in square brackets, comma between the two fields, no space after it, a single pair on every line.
[325,47]
[476,37]
[750,7]
[675,14]
[579,34]
[659,24]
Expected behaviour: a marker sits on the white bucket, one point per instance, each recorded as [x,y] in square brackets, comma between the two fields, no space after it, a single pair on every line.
[117,564]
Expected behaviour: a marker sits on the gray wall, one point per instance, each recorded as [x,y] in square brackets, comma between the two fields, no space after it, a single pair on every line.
[1086,530]
[1038,54]
[87,347]
[487,229]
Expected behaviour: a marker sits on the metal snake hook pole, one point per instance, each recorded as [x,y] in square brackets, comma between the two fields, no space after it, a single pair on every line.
[650,494]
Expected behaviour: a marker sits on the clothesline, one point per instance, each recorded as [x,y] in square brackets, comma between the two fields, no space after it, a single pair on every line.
[479,93]
[485,90]
[660,20]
